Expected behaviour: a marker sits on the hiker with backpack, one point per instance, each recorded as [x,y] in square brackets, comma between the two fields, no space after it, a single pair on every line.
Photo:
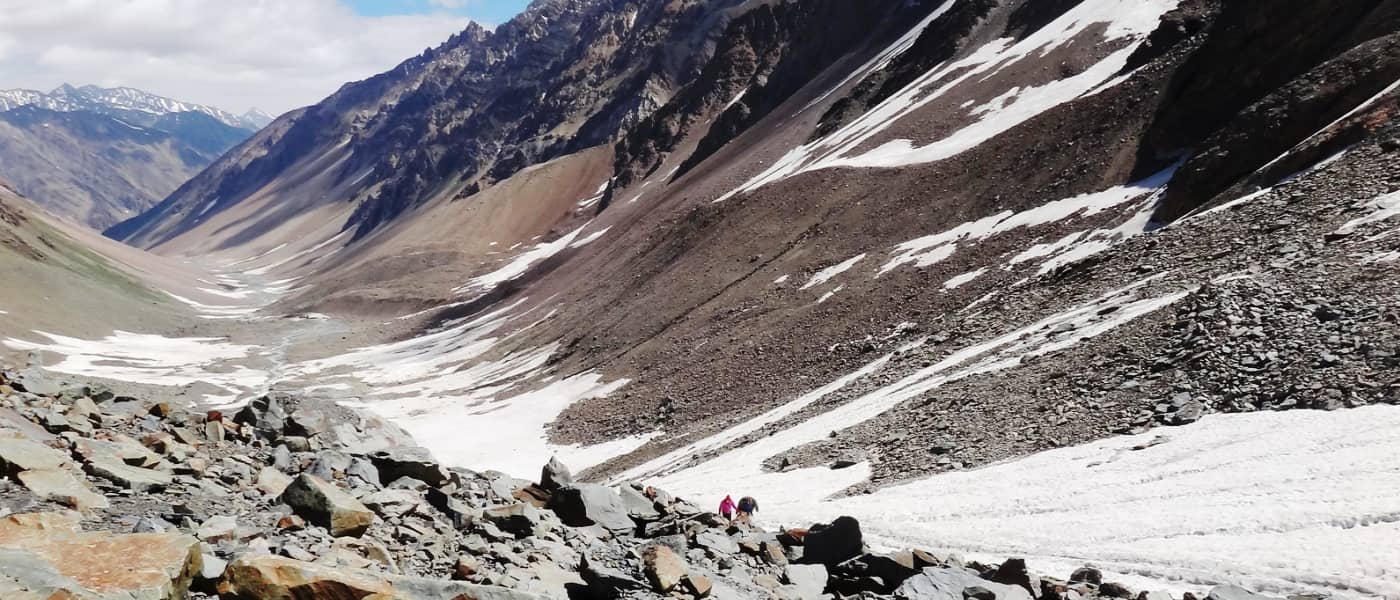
[747,507]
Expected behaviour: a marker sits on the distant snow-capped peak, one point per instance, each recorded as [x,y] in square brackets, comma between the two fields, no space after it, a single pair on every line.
[67,98]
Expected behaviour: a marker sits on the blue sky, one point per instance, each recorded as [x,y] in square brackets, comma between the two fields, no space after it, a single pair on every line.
[487,11]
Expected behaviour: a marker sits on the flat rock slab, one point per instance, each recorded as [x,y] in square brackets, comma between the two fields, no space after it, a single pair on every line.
[61,486]
[280,577]
[133,478]
[948,584]
[18,455]
[48,551]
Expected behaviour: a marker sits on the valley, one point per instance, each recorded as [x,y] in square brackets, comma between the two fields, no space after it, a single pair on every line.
[1087,282]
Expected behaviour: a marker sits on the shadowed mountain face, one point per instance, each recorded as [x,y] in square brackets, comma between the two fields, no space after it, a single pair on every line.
[564,76]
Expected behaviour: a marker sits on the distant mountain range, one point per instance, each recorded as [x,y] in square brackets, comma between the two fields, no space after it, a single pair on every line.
[97,156]
[128,104]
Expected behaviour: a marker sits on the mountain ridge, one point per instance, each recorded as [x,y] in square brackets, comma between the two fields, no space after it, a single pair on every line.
[98,156]
[126,102]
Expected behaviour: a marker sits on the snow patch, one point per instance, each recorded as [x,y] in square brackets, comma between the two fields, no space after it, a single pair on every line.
[963,279]
[152,360]
[826,274]
[521,264]
[935,248]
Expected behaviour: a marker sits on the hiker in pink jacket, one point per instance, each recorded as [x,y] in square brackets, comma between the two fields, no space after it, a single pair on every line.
[726,508]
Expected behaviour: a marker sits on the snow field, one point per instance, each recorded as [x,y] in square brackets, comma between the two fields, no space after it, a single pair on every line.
[472,411]
[1279,502]
[152,360]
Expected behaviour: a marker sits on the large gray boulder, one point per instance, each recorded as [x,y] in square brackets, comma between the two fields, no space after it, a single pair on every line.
[584,504]
[519,519]
[948,583]
[326,505]
[555,475]
[265,415]
[638,505]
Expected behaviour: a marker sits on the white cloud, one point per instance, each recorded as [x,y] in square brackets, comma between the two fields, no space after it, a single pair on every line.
[274,54]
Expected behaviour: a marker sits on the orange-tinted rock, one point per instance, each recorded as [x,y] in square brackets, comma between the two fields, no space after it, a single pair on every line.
[264,576]
[78,564]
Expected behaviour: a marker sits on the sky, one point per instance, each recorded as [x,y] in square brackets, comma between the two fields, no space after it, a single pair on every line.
[275,55]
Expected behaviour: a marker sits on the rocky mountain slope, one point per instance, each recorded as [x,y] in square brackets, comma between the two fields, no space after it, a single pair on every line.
[1103,281]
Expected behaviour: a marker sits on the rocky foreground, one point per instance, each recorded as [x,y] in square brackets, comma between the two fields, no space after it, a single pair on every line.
[108,497]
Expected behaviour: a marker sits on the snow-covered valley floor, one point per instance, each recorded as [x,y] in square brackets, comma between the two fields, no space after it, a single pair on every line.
[1279,502]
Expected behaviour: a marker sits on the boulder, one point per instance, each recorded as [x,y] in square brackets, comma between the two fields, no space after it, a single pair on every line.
[18,455]
[584,504]
[891,569]
[977,592]
[810,580]
[412,462]
[272,482]
[324,504]
[519,519]
[217,528]
[948,583]
[120,448]
[459,513]
[663,568]
[833,544]
[61,486]
[48,551]
[717,542]
[1086,575]
[605,582]
[126,476]
[638,505]
[264,414]
[1014,572]
[698,586]
[1111,589]
[555,475]
[392,503]
[257,577]
[328,464]
[772,553]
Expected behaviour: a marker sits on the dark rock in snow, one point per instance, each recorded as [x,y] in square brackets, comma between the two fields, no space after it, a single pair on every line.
[833,544]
